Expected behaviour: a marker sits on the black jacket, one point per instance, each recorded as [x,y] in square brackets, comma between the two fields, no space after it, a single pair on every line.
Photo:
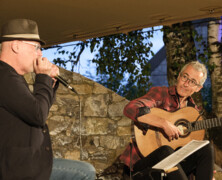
[25,146]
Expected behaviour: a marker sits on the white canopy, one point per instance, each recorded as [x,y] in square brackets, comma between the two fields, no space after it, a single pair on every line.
[63,21]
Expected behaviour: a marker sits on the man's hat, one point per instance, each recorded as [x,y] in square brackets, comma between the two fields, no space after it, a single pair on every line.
[20,29]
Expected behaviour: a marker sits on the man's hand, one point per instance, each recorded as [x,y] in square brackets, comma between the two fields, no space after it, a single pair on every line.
[171,131]
[44,66]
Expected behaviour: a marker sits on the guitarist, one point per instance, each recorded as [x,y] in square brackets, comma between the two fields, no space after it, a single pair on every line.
[190,80]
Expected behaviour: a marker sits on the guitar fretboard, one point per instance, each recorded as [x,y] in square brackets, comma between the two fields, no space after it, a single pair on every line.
[204,124]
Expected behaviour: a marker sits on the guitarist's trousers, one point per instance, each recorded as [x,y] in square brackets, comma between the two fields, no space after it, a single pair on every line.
[200,164]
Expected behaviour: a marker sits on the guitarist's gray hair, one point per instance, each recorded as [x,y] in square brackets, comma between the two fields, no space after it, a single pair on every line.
[199,67]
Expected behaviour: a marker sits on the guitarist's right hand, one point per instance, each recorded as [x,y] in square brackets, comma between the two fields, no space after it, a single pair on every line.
[171,130]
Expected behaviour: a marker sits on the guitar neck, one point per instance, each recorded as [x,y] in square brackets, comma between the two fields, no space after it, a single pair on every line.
[204,124]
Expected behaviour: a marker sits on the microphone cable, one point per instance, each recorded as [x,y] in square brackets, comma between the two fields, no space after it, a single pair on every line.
[66,84]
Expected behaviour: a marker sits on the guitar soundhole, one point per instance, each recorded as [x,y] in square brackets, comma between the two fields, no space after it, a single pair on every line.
[182,124]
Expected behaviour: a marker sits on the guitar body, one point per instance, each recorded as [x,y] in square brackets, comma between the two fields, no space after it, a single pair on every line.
[154,138]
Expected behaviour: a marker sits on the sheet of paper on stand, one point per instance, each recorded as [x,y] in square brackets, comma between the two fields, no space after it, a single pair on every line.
[175,158]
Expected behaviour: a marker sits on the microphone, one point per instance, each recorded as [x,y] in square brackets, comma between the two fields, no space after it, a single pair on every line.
[65,83]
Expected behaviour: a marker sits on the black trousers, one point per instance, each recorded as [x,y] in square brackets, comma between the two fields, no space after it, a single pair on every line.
[199,163]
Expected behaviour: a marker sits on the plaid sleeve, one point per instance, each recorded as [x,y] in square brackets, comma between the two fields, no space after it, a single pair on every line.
[149,100]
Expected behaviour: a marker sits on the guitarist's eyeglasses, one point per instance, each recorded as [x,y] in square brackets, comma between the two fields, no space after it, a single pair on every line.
[191,82]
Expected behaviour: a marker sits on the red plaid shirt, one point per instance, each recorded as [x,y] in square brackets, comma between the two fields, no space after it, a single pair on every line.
[160,97]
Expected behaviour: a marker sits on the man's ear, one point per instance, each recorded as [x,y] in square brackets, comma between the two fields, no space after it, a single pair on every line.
[15,46]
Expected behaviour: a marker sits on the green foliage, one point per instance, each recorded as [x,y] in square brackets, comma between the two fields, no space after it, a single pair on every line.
[122,62]
[204,53]
[73,56]
[206,92]
[122,59]
[186,34]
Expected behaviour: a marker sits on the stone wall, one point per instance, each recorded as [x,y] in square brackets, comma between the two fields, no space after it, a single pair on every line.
[89,126]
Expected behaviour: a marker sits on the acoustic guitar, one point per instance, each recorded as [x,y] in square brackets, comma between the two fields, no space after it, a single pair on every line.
[188,120]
